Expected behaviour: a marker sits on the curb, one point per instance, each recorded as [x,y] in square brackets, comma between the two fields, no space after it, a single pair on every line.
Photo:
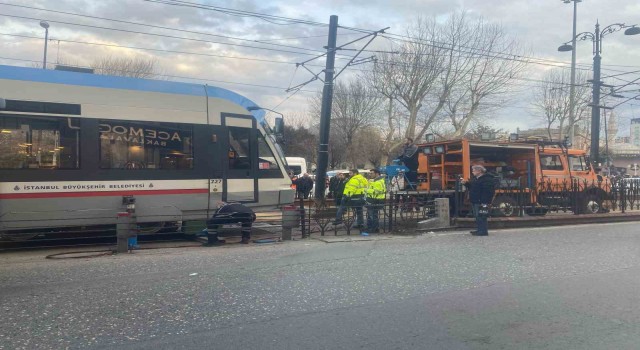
[560,220]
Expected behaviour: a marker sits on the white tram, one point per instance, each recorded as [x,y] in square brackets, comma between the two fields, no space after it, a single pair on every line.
[73,145]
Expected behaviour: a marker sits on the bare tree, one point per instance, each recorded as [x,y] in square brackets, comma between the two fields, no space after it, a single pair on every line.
[410,73]
[447,72]
[355,106]
[491,63]
[297,143]
[552,100]
[367,148]
[136,67]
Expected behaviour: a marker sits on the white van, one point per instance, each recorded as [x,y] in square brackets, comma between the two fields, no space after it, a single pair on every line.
[297,164]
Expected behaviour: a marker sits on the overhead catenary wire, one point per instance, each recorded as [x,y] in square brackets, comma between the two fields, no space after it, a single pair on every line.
[161,35]
[215,35]
[242,58]
[158,27]
[259,15]
[226,10]
[197,33]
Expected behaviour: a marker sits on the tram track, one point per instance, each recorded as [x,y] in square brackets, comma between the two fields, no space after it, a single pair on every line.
[77,242]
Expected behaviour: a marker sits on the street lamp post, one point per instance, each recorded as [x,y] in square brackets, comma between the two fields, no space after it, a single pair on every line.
[596,38]
[572,88]
[45,25]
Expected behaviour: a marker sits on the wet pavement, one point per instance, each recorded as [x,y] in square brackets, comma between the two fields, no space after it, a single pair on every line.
[573,287]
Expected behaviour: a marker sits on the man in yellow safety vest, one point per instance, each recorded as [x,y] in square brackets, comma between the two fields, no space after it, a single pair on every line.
[353,196]
[376,194]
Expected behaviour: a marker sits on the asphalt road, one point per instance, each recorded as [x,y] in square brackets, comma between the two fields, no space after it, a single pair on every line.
[542,288]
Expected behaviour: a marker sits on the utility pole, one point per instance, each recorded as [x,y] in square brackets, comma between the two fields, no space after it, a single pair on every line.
[325,112]
[595,101]
[572,88]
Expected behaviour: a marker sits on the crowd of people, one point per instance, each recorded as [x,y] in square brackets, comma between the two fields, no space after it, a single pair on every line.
[353,191]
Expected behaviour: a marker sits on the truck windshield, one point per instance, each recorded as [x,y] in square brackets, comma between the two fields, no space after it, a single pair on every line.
[577,163]
[550,162]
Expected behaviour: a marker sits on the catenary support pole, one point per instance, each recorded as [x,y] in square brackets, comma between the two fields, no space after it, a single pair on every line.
[572,88]
[325,112]
[595,102]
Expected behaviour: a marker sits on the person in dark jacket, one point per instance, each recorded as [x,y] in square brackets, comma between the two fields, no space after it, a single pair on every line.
[339,187]
[230,213]
[333,186]
[481,190]
[409,157]
[304,184]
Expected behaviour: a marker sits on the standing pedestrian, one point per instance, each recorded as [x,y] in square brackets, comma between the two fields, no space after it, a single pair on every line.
[353,196]
[376,194]
[481,190]
[307,185]
[230,213]
[338,189]
[409,157]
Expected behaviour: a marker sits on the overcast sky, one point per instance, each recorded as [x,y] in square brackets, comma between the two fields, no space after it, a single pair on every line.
[262,72]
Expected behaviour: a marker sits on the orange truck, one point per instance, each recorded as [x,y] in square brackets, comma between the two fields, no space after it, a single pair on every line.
[534,176]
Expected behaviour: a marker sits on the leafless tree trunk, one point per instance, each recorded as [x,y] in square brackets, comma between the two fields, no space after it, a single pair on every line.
[552,100]
[447,72]
[411,72]
[356,106]
[492,64]
[136,67]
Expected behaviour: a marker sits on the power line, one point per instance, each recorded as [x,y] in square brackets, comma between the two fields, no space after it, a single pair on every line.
[224,56]
[158,27]
[259,15]
[160,35]
[276,87]
[183,38]
[245,58]
[485,53]
[240,13]
[201,33]
[149,49]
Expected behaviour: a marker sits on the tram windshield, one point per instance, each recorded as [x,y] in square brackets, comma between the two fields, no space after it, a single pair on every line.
[269,133]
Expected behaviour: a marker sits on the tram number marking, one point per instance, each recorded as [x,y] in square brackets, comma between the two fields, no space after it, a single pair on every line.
[214,185]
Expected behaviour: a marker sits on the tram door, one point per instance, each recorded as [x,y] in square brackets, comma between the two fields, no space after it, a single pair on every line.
[241,180]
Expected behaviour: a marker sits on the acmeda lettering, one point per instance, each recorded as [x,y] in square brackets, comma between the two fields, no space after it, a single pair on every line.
[141,136]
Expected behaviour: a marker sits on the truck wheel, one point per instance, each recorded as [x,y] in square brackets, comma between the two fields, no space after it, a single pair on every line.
[592,204]
[504,206]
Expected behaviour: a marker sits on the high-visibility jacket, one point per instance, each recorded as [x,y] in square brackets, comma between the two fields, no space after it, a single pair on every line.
[377,188]
[355,186]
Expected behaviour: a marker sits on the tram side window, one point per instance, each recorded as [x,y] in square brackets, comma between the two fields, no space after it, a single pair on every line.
[145,145]
[239,148]
[266,160]
[39,143]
